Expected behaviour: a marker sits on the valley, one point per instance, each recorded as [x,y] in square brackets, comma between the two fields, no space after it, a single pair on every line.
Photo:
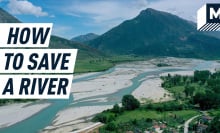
[128,59]
[95,92]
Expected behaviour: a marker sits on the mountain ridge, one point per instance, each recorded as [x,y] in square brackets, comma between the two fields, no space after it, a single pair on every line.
[85,38]
[5,17]
[157,33]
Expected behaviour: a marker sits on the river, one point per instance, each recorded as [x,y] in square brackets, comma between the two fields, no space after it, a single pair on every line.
[46,116]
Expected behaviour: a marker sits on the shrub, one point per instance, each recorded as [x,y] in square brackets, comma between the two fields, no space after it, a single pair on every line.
[111,126]
[129,102]
[116,109]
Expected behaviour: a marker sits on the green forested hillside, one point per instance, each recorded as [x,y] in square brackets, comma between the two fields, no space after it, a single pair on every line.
[88,59]
[7,18]
[85,38]
[156,33]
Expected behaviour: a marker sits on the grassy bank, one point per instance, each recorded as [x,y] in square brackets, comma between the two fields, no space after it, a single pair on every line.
[156,115]
[92,65]
[101,64]
[145,118]
[10,101]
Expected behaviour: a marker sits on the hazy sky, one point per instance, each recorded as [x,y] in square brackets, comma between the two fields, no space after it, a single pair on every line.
[75,17]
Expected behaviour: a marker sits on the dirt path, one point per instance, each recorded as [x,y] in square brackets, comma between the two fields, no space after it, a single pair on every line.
[91,129]
[186,124]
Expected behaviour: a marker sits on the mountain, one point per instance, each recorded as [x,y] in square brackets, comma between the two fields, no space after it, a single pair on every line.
[85,38]
[7,18]
[213,33]
[157,33]
[88,59]
[84,50]
[55,42]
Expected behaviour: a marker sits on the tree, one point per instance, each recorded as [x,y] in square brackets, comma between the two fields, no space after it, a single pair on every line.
[207,99]
[201,76]
[116,109]
[111,126]
[101,118]
[129,102]
[189,90]
[214,126]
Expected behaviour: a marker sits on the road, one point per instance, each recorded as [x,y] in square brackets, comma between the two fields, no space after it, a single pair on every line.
[186,124]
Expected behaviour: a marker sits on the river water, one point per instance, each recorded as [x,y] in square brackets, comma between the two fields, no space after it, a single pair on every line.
[46,116]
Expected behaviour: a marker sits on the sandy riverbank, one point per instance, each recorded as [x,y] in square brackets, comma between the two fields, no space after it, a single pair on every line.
[105,84]
[74,119]
[151,90]
[183,73]
[98,89]
[11,114]
[77,118]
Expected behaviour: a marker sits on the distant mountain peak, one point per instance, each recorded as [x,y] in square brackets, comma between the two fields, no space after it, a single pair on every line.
[92,34]
[149,10]
[85,38]
[157,33]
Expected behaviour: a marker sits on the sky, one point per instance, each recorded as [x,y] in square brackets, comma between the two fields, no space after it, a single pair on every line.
[71,18]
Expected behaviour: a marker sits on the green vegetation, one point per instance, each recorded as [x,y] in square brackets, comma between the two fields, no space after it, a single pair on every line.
[5,17]
[120,119]
[191,93]
[92,65]
[126,58]
[102,63]
[214,112]
[214,126]
[169,106]
[9,101]
[130,103]
[202,88]
[85,38]
[155,33]
[162,65]
[90,59]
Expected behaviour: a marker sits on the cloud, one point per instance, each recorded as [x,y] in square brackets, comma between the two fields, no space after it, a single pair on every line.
[61,30]
[184,8]
[101,15]
[113,12]
[52,16]
[108,12]
[25,7]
